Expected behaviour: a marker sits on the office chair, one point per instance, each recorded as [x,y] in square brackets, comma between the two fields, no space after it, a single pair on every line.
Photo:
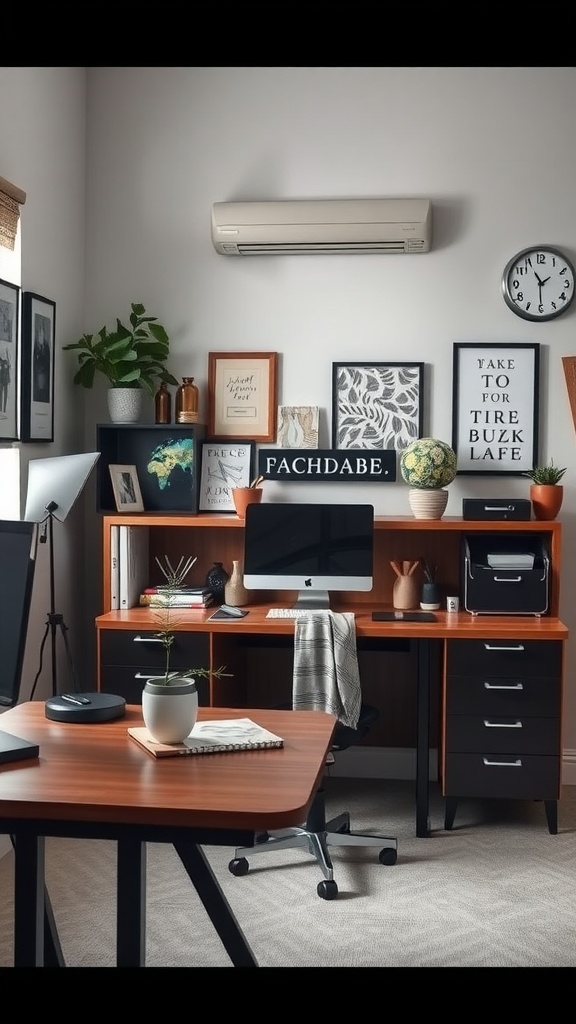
[317,834]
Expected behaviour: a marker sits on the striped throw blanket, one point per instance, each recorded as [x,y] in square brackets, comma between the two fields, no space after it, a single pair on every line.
[326,676]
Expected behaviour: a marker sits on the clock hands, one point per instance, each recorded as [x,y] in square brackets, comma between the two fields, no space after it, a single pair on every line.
[541,284]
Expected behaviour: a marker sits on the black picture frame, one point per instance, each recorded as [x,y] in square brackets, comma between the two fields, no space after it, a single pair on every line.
[38,352]
[9,360]
[495,407]
[224,464]
[377,405]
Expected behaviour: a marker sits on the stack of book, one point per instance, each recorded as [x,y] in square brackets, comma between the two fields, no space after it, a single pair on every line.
[182,597]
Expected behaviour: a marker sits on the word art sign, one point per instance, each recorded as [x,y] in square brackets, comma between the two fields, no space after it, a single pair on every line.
[495,403]
[353,464]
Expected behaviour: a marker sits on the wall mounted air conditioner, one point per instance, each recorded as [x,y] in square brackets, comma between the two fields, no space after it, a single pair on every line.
[322,226]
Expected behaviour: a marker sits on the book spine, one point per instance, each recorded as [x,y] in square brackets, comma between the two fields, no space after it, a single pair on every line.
[114,568]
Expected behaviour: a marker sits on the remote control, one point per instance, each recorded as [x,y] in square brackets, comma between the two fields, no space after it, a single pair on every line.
[75,698]
[229,609]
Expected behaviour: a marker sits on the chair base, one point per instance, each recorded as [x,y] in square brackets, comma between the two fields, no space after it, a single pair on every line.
[317,840]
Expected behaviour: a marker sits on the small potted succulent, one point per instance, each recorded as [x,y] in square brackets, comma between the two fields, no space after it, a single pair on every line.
[546,491]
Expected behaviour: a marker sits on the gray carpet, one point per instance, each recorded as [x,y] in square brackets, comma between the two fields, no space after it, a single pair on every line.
[496,891]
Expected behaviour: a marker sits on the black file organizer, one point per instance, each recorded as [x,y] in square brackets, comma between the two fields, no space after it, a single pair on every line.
[504,591]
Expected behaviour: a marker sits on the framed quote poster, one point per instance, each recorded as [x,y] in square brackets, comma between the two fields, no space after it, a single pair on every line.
[495,407]
[225,465]
[242,395]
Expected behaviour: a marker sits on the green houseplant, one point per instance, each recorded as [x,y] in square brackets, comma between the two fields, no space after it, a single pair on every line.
[428,465]
[170,700]
[546,491]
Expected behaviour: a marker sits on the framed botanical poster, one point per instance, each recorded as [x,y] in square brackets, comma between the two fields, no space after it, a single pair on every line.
[224,465]
[242,395]
[9,320]
[495,408]
[38,322]
[126,487]
[377,405]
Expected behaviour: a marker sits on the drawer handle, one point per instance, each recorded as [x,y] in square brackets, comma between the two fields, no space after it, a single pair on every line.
[147,640]
[502,725]
[502,764]
[492,647]
[503,686]
[508,579]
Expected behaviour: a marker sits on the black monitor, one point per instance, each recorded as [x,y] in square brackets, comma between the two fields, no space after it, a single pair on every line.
[18,542]
[311,548]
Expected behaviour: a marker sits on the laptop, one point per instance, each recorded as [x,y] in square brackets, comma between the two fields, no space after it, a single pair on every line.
[13,748]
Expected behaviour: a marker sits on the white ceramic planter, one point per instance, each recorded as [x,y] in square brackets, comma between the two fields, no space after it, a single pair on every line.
[427,503]
[125,404]
[169,710]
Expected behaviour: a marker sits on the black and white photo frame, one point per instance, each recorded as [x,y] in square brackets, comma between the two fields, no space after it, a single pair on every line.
[38,351]
[377,405]
[9,353]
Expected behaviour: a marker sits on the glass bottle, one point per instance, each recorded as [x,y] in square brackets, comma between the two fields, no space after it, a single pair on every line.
[216,579]
[187,401]
[163,404]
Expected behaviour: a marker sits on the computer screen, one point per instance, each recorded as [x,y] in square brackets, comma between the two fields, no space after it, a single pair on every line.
[18,544]
[311,548]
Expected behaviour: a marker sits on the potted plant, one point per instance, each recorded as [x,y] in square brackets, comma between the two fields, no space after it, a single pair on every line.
[244,496]
[132,358]
[428,465]
[546,491]
[170,700]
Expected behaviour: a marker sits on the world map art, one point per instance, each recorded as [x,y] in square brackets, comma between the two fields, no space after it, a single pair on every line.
[167,458]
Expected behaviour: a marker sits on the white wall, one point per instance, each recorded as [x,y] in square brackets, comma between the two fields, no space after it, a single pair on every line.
[164,143]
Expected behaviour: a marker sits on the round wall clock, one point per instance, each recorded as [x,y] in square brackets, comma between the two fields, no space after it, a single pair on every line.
[538,283]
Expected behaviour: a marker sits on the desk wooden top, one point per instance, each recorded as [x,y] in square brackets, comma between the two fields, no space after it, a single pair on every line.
[96,773]
[462,625]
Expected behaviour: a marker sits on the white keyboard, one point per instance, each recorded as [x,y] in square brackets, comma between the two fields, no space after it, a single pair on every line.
[291,613]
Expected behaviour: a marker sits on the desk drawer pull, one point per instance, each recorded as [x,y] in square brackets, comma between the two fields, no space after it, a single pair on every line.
[503,686]
[147,640]
[492,647]
[501,579]
[502,725]
[502,764]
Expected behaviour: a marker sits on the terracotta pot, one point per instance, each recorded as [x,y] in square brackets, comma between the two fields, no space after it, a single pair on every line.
[546,500]
[244,496]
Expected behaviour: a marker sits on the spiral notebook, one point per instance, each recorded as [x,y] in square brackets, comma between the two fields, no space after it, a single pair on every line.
[215,737]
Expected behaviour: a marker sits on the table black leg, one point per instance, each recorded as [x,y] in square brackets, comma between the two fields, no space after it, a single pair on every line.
[131,904]
[423,737]
[215,904]
[53,955]
[29,901]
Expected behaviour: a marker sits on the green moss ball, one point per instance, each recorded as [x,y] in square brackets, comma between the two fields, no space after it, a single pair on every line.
[428,462]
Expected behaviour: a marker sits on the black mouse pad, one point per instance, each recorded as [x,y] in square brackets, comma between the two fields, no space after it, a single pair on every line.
[403,617]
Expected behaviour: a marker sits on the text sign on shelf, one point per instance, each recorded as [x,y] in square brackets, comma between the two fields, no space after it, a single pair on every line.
[353,464]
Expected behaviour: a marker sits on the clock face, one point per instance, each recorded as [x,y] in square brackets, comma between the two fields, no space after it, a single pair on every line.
[538,283]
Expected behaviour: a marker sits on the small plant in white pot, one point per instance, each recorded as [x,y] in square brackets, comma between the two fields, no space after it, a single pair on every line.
[170,700]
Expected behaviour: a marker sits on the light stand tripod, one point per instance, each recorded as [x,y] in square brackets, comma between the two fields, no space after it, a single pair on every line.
[55,620]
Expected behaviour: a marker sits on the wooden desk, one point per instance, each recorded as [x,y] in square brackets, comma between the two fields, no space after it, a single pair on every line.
[92,781]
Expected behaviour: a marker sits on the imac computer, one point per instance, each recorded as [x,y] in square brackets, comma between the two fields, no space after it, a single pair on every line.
[311,548]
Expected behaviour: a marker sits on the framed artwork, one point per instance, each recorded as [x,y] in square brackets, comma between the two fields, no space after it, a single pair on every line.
[377,405]
[224,465]
[242,395]
[9,376]
[495,407]
[297,426]
[38,323]
[127,493]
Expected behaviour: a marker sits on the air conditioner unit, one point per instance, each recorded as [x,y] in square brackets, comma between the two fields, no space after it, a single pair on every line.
[322,226]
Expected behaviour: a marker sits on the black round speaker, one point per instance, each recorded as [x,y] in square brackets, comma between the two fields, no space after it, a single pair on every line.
[85,707]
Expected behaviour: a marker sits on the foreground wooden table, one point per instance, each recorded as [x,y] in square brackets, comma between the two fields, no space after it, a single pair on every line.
[92,781]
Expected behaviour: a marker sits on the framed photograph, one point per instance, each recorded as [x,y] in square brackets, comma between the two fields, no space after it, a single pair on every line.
[495,407]
[377,405]
[297,426]
[242,395]
[224,465]
[126,488]
[38,323]
[9,377]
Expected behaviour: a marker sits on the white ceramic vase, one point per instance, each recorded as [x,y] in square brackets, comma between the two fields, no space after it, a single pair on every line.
[169,709]
[427,502]
[125,404]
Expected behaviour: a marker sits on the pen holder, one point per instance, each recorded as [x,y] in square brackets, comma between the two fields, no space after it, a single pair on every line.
[405,591]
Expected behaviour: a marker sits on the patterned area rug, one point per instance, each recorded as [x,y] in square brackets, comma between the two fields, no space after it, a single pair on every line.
[496,891]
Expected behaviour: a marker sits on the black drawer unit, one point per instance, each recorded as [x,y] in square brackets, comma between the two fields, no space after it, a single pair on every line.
[502,737]
[129,657]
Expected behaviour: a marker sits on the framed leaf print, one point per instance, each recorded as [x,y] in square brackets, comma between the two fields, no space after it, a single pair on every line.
[377,405]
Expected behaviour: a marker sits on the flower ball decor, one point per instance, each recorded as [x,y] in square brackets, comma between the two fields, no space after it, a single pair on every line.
[428,465]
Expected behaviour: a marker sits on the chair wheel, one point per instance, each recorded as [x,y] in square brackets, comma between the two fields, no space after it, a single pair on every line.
[327,890]
[388,856]
[239,866]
